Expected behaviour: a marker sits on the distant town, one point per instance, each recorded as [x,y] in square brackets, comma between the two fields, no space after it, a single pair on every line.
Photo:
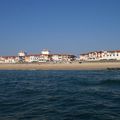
[43,57]
[46,56]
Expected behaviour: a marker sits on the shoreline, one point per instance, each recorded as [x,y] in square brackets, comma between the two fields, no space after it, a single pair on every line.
[61,66]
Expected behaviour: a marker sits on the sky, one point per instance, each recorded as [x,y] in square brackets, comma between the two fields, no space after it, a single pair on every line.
[61,26]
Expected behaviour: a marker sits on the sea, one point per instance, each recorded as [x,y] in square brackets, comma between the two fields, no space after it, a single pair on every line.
[59,95]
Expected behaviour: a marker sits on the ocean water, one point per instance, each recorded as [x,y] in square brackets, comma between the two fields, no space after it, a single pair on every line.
[59,95]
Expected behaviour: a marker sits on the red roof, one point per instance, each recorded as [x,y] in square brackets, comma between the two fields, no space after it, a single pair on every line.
[37,55]
[9,56]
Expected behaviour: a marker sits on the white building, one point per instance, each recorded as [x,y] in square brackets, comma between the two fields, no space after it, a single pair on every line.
[100,55]
[45,52]
[84,57]
[56,57]
[9,59]
[62,57]
[22,54]
[34,58]
[37,58]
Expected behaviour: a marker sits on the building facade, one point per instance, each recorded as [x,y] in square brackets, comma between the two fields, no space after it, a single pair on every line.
[9,59]
[100,55]
[44,56]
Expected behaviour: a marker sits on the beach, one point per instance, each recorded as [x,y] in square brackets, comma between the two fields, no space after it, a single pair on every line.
[61,66]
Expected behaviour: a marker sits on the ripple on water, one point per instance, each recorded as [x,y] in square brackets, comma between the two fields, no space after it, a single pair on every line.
[62,95]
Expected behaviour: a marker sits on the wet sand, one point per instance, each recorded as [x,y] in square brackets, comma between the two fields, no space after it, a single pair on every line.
[72,66]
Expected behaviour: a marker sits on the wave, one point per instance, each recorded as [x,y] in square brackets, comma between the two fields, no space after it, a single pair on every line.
[110,82]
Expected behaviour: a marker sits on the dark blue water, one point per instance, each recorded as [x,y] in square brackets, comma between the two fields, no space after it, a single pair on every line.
[60,95]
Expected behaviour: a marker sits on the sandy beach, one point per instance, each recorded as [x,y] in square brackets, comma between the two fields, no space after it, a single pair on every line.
[73,66]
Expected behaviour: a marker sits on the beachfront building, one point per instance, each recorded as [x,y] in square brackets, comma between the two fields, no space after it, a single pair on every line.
[62,57]
[45,52]
[100,55]
[34,58]
[37,58]
[44,56]
[84,57]
[21,56]
[47,58]
[22,53]
[2,60]
[9,59]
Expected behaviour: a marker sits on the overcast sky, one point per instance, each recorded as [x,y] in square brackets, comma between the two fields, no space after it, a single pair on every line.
[65,26]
